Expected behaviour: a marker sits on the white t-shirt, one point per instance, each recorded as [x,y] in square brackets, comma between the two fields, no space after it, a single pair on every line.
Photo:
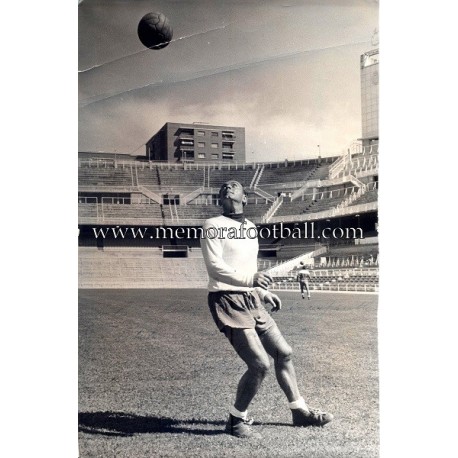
[303,274]
[230,250]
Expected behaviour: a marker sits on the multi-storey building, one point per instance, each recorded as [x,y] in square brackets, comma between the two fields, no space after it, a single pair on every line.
[370,96]
[176,142]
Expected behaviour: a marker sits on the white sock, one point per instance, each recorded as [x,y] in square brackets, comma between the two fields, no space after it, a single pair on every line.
[236,413]
[299,404]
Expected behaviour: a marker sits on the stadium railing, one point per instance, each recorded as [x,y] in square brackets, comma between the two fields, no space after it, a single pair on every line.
[362,208]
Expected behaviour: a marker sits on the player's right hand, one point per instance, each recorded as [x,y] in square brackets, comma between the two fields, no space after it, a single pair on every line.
[262,279]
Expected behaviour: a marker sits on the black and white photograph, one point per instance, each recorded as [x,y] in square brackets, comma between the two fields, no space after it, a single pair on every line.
[228,229]
[233,281]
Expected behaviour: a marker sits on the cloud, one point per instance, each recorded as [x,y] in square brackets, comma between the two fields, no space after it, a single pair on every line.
[286,109]
[279,72]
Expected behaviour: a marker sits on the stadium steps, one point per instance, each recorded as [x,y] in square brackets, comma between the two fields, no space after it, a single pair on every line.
[255,212]
[87,210]
[257,175]
[130,213]
[291,264]
[281,174]
[273,209]
[369,196]
[105,177]
[140,268]
[150,194]
[216,177]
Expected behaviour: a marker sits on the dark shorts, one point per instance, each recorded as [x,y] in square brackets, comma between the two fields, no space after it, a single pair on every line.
[237,309]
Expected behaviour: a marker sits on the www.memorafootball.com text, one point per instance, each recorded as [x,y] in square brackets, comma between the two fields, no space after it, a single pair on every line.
[303,231]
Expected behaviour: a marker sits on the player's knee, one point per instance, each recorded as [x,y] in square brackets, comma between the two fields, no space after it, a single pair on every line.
[264,368]
[285,353]
[261,366]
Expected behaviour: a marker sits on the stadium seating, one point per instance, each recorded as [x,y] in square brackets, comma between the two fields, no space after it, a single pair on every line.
[352,255]
[129,214]
[324,204]
[296,207]
[278,173]
[368,196]
[87,210]
[255,212]
[217,177]
[360,250]
[106,176]
[139,268]
[193,212]
[191,189]
[171,177]
[344,280]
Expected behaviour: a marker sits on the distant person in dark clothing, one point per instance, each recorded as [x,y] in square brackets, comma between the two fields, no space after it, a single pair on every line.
[303,277]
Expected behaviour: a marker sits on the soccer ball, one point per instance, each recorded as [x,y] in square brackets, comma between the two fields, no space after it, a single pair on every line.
[154,31]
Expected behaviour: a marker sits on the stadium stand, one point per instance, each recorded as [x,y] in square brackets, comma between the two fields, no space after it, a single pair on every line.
[106,176]
[216,176]
[169,177]
[199,212]
[368,196]
[87,211]
[320,201]
[139,268]
[275,173]
[337,280]
[128,213]
[117,190]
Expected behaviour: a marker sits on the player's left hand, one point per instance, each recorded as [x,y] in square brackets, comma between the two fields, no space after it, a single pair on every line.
[273,300]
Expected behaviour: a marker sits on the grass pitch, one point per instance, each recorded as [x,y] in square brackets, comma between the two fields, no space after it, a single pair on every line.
[157,377]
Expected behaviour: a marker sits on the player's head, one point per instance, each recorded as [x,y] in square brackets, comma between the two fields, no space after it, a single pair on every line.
[234,191]
[302,263]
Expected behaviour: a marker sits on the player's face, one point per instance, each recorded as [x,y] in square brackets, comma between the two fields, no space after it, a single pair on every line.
[232,190]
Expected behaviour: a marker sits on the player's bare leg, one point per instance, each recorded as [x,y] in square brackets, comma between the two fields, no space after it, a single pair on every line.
[277,347]
[281,352]
[248,346]
[307,288]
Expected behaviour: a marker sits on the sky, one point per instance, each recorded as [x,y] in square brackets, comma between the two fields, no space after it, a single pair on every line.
[287,71]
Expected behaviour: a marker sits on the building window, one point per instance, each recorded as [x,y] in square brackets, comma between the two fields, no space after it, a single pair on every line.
[214,134]
[201,144]
[214,145]
[228,145]
[215,156]
[201,155]
[201,133]
[228,134]
[229,156]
